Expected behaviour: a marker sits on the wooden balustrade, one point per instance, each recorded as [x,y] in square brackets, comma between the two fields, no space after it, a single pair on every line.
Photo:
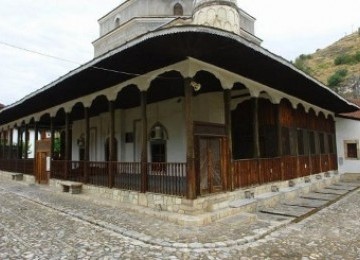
[164,178]
[249,172]
[25,166]
[167,178]
[170,178]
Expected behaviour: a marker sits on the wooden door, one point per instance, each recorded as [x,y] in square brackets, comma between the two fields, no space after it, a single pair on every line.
[210,164]
[42,151]
[41,174]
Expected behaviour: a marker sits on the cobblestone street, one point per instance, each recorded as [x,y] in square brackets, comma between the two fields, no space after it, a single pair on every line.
[40,223]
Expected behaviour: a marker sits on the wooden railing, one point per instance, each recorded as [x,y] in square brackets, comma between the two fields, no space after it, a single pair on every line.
[25,166]
[167,178]
[164,178]
[248,172]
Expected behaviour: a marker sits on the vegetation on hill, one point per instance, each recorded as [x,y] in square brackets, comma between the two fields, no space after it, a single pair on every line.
[337,66]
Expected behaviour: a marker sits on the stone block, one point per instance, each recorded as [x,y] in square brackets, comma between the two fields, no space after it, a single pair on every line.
[249,194]
[275,188]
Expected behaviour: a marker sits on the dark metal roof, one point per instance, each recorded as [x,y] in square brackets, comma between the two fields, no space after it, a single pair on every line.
[168,46]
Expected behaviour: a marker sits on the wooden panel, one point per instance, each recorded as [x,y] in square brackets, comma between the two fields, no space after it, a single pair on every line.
[203,128]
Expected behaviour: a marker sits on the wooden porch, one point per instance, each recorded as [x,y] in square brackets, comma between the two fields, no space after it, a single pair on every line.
[170,178]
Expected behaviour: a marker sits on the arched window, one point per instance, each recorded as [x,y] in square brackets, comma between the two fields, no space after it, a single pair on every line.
[117,21]
[158,137]
[178,9]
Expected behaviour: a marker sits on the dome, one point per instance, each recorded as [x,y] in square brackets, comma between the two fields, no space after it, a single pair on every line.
[205,2]
[222,14]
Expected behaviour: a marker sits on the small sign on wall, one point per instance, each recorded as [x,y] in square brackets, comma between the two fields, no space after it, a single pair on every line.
[48,163]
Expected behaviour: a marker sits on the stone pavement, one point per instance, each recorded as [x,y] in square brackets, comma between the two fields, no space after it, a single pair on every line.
[38,222]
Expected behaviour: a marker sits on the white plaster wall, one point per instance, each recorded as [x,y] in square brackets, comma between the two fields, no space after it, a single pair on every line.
[142,8]
[209,107]
[347,129]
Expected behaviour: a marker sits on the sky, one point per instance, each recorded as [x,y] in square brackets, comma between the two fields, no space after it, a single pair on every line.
[66,28]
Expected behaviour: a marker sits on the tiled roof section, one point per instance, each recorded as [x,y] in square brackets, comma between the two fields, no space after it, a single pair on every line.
[1,106]
[356,114]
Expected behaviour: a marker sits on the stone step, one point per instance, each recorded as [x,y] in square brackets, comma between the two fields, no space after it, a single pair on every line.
[271,218]
[307,203]
[332,191]
[284,210]
[339,187]
[319,196]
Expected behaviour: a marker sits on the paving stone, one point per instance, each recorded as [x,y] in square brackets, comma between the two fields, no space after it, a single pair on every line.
[39,223]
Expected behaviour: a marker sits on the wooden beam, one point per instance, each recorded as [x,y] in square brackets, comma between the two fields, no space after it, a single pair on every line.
[190,154]
[144,157]
[227,116]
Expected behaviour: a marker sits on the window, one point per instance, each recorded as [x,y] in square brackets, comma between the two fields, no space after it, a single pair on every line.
[178,10]
[312,142]
[285,140]
[117,21]
[300,141]
[158,137]
[351,149]
[322,143]
[330,143]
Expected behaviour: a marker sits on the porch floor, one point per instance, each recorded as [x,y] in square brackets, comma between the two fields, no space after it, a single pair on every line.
[133,221]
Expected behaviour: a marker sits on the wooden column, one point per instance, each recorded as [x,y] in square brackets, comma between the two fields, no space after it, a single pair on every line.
[256,143]
[26,143]
[111,143]
[52,130]
[87,144]
[190,154]
[19,143]
[144,159]
[256,128]
[2,143]
[36,130]
[279,141]
[11,144]
[67,144]
[229,157]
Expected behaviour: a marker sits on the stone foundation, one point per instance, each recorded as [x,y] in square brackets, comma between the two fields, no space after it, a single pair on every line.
[206,209]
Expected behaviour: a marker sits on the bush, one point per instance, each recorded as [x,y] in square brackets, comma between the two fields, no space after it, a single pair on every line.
[343,59]
[338,77]
[300,63]
[347,59]
[357,56]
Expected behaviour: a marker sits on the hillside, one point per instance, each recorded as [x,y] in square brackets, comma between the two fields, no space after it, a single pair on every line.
[337,66]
